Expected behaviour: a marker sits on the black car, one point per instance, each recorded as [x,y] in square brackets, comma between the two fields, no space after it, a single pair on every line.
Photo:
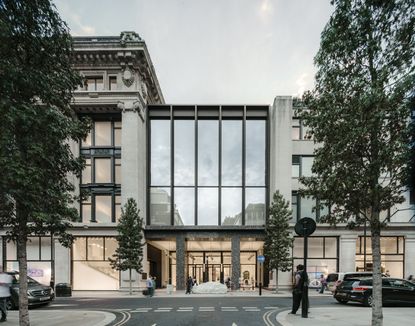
[394,291]
[37,293]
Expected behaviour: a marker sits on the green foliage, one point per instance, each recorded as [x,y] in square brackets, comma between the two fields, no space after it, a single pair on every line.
[129,254]
[278,240]
[36,121]
[359,109]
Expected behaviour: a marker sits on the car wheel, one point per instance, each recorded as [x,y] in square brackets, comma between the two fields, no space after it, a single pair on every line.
[10,304]
[368,300]
[342,301]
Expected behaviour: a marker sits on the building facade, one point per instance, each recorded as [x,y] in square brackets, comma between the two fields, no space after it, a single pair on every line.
[202,176]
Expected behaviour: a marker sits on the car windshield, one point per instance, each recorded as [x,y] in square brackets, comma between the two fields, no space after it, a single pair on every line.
[29,279]
[332,277]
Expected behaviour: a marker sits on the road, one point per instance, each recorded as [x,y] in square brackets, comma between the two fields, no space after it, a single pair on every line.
[188,311]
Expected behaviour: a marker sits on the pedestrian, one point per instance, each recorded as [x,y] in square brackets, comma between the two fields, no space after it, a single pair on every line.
[301,281]
[149,284]
[5,282]
[323,283]
[189,285]
[411,278]
[153,288]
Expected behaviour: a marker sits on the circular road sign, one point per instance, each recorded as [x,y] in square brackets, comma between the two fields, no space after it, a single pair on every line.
[261,259]
[305,226]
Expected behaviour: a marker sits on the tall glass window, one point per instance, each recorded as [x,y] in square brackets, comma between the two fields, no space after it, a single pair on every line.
[255,153]
[232,153]
[208,152]
[184,152]
[160,152]
[102,133]
[200,171]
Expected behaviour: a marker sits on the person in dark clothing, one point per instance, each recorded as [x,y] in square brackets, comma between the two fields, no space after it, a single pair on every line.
[301,279]
[189,285]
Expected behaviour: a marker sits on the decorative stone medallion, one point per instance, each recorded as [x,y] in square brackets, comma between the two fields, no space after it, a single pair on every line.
[128,77]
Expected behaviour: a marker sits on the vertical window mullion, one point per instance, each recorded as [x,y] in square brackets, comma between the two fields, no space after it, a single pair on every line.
[196,125]
[171,166]
[220,169]
[243,162]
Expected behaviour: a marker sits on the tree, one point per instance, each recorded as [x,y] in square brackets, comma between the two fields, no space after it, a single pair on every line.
[358,112]
[278,240]
[36,125]
[129,254]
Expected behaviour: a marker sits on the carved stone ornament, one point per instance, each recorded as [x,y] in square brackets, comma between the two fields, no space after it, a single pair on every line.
[129,37]
[128,77]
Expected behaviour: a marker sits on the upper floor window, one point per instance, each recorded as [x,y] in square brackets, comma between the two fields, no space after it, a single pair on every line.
[299,131]
[306,207]
[94,83]
[301,166]
[112,83]
[104,134]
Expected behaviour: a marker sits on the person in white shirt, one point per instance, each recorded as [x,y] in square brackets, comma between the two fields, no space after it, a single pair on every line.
[5,282]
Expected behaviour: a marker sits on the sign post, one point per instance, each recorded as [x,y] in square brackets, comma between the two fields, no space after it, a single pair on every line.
[305,227]
[261,260]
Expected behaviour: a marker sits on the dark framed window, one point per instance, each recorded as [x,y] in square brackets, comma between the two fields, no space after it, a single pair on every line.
[94,83]
[307,207]
[101,208]
[112,83]
[106,133]
[301,165]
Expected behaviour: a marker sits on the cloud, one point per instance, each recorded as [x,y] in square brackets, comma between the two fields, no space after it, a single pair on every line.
[301,83]
[82,29]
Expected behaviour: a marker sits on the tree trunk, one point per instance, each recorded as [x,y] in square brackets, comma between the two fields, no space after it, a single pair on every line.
[23,301]
[276,281]
[131,291]
[377,315]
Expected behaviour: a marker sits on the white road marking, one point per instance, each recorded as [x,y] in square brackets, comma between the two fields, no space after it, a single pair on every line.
[63,305]
[206,307]
[161,310]
[270,307]
[249,310]
[250,307]
[185,308]
[228,307]
[234,324]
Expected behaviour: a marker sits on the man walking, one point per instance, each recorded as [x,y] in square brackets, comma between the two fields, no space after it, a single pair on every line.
[149,284]
[300,278]
[5,282]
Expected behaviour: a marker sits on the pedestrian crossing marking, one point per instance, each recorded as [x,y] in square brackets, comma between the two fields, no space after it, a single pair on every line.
[270,308]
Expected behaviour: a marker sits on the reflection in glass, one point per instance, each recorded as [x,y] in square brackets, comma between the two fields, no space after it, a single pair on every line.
[79,248]
[208,152]
[184,206]
[231,206]
[207,210]
[315,247]
[294,203]
[306,164]
[45,248]
[255,206]
[231,152]
[184,152]
[33,248]
[160,206]
[255,153]
[103,209]
[330,247]
[160,152]
[103,170]
[88,141]
[102,133]
[117,137]
[86,172]
[118,171]
[110,245]
[117,207]
[86,210]
[95,248]
[307,204]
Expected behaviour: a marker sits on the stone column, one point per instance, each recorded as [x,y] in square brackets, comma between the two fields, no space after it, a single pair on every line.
[409,255]
[180,262]
[281,146]
[62,263]
[347,257]
[236,260]
[133,168]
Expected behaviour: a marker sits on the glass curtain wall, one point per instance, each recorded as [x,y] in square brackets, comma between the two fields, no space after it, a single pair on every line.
[207,166]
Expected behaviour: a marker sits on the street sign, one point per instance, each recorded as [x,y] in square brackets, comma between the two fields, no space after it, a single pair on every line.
[261,259]
[305,226]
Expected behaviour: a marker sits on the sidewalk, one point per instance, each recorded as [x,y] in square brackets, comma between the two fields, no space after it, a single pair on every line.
[163,294]
[347,316]
[62,318]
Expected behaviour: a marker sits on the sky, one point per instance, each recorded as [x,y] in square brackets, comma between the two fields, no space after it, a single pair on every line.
[215,51]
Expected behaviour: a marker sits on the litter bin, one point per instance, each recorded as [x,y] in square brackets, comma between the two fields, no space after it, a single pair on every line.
[63,290]
[169,289]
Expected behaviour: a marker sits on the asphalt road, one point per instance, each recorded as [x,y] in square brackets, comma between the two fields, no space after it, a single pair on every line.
[188,311]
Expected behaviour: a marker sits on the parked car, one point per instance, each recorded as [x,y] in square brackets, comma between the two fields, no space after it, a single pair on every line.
[394,291]
[37,293]
[334,279]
